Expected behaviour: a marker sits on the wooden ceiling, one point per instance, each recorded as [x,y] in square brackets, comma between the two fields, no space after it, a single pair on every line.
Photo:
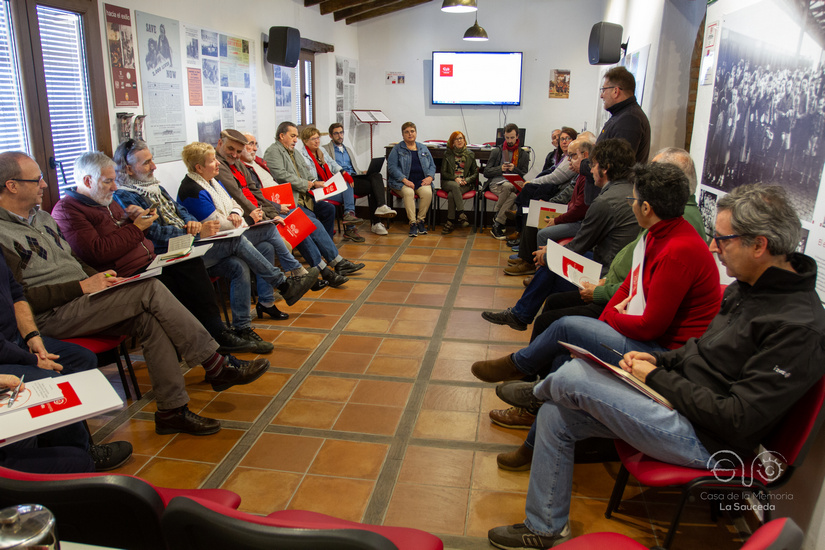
[354,11]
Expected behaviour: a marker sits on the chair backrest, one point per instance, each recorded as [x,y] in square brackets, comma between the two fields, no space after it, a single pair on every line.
[110,510]
[780,533]
[189,525]
[793,435]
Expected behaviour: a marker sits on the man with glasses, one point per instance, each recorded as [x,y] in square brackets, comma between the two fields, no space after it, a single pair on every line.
[370,185]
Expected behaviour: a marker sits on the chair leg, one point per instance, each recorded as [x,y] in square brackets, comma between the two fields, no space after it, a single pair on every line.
[618,491]
[122,376]
[131,369]
[674,524]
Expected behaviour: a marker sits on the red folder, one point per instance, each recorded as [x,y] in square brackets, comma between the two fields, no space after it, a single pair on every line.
[280,194]
[515,179]
[296,227]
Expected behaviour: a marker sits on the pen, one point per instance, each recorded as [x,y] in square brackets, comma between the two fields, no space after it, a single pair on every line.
[108,275]
[16,391]
[621,355]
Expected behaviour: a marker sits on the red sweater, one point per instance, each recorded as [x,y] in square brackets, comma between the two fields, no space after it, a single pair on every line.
[681,286]
[576,208]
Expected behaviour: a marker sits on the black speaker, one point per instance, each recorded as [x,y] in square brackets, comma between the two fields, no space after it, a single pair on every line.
[284,46]
[605,47]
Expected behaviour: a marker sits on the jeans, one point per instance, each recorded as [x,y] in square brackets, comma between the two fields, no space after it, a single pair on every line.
[544,283]
[584,401]
[325,212]
[348,198]
[557,232]
[319,245]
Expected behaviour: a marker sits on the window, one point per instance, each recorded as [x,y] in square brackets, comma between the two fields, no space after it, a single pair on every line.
[12,122]
[306,77]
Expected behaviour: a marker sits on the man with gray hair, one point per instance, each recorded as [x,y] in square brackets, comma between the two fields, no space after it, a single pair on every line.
[729,388]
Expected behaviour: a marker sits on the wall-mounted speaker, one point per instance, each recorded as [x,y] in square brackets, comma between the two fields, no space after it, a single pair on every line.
[284,46]
[605,47]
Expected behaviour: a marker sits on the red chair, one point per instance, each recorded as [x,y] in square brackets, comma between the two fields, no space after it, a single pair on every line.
[790,440]
[108,350]
[484,194]
[193,524]
[117,511]
[440,194]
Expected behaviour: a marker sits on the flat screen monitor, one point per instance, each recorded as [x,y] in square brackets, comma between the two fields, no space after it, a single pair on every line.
[477,78]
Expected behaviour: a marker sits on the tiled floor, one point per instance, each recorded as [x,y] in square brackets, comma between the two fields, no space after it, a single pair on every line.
[370,413]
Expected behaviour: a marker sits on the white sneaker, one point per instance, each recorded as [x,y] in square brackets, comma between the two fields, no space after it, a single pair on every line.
[385,211]
[379,229]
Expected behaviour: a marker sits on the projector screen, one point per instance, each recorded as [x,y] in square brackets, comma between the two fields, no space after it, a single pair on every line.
[477,78]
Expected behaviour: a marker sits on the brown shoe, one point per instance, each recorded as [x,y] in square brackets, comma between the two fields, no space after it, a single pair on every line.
[514,417]
[497,370]
[527,280]
[524,268]
[519,460]
[513,236]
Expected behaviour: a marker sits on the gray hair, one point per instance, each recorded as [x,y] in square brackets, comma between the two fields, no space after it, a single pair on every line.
[763,211]
[682,159]
[125,155]
[90,164]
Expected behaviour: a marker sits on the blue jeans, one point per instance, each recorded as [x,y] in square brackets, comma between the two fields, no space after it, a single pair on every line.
[582,402]
[557,232]
[325,212]
[319,244]
[544,283]
[269,243]
[348,199]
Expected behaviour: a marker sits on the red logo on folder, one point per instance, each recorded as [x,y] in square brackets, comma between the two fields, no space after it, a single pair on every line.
[70,399]
[280,194]
[296,227]
[446,70]
[567,263]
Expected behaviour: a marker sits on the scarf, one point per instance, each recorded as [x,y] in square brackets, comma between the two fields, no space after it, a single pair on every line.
[320,166]
[243,184]
[460,161]
[220,198]
[514,150]
[167,209]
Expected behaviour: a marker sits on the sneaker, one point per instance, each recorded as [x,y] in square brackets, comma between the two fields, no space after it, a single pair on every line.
[497,231]
[236,372]
[110,455]
[294,287]
[519,460]
[385,211]
[351,234]
[462,220]
[519,394]
[448,228]
[186,422]
[333,279]
[514,248]
[351,218]
[413,229]
[256,343]
[518,536]
[520,268]
[422,228]
[513,243]
[497,370]
[229,342]
[379,229]
[514,417]
[346,267]
[505,317]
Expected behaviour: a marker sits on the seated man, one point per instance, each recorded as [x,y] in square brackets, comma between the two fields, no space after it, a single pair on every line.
[607,227]
[58,287]
[730,388]
[553,157]
[510,158]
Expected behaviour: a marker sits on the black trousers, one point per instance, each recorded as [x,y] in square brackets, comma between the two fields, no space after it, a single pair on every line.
[373,187]
[190,283]
[561,305]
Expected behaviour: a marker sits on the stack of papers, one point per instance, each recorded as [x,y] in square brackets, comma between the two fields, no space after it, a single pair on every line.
[178,246]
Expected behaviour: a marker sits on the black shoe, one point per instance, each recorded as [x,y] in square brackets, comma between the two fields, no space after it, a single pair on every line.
[320,284]
[229,342]
[505,317]
[237,373]
[346,267]
[295,287]
[497,231]
[272,311]
[333,279]
[186,422]
[519,394]
[110,455]
[519,537]
[254,342]
[514,242]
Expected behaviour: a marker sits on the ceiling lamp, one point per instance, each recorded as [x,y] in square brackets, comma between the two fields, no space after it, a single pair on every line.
[476,33]
[459,6]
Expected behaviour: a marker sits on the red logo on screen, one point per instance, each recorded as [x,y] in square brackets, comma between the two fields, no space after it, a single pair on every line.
[446,70]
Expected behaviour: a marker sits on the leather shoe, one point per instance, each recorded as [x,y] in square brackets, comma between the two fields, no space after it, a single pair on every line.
[523,268]
[186,422]
[255,344]
[514,236]
[229,342]
[294,287]
[505,317]
[520,394]
[510,214]
[519,460]
[320,284]
[513,417]
[237,373]
[332,278]
[346,267]
[272,311]
[497,370]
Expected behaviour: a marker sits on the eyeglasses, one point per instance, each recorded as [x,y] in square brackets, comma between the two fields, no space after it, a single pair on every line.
[38,180]
[338,133]
[603,88]
[631,200]
[718,238]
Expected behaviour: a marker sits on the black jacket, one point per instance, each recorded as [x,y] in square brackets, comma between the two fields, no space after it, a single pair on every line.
[629,122]
[761,353]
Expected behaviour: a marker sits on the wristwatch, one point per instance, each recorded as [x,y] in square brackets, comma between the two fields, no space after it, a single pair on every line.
[30,335]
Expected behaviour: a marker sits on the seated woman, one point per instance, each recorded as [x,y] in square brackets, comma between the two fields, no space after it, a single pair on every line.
[410,172]
[459,174]
[322,169]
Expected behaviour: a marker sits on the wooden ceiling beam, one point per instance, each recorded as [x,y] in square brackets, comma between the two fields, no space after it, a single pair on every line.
[355,10]
[398,6]
[329,6]
[308,3]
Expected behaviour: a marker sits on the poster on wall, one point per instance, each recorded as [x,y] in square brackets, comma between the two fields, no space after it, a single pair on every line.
[636,63]
[559,84]
[346,86]
[162,83]
[282,77]
[122,55]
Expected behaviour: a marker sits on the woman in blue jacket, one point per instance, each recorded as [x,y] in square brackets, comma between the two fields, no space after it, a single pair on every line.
[410,172]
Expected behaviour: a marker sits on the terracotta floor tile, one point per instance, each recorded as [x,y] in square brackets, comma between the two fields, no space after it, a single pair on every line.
[468,325]
[349,459]
[310,320]
[298,340]
[434,240]
[213,448]
[141,434]
[339,497]
[487,258]
[267,335]
[456,370]
[349,291]
[502,333]
[447,256]
[309,414]
[396,347]
[393,286]
[505,297]
[133,465]
[328,308]
[493,433]
[325,388]
[587,516]
[376,311]
[474,296]
[291,453]
[394,366]
[435,466]
[336,361]
[356,344]
[481,275]
[175,474]
[489,400]
[376,392]
[262,491]
[488,477]
[490,509]
[236,406]
[462,350]
[433,424]
[417,255]
[452,398]
[269,384]
[438,510]
[371,419]
[406,327]
[290,358]
[368,325]
[483,241]
[438,274]
[597,480]
[385,297]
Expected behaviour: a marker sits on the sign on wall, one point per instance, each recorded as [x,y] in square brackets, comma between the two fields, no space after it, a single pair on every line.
[122,55]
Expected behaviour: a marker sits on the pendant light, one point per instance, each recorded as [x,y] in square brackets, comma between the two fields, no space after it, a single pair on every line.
[459,6]
[476,33]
